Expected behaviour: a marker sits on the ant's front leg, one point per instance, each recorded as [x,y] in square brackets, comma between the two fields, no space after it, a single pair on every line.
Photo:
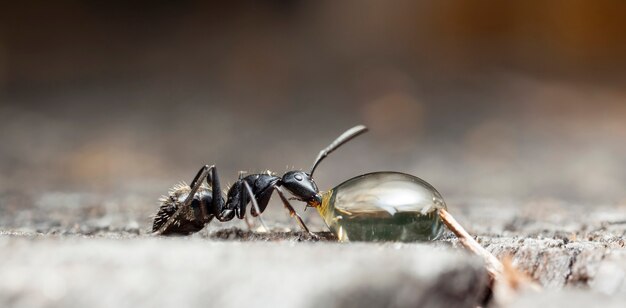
[293,213]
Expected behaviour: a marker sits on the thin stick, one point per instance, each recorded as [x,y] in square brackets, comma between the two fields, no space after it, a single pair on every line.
[493,265]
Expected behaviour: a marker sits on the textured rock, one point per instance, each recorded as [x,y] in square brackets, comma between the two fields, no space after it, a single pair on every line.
[570,298]
[552,262]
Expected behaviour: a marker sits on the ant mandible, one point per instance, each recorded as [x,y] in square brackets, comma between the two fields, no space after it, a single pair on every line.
[187,209]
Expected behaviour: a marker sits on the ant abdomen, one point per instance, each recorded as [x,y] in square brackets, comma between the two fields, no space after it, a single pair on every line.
[191,219]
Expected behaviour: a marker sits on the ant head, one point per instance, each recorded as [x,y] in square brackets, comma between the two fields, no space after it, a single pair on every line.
[301,185]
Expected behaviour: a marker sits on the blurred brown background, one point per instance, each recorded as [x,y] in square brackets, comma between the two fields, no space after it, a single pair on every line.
[484,99]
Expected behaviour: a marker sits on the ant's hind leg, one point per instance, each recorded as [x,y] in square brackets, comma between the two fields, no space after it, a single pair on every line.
[202,174]
[255,204]
[293,213]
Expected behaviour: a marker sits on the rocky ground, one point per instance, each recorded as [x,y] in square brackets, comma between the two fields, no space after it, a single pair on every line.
[67,250]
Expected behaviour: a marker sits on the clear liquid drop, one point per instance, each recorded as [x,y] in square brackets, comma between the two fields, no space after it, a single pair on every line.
[383,206]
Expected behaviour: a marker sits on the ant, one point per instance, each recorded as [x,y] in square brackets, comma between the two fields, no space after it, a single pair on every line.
[187,209]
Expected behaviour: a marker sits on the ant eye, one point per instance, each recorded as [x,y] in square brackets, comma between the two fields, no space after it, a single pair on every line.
[298,177]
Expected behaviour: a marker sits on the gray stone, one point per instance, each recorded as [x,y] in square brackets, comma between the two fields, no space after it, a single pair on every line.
[570,298]
[192,272]
[610,276]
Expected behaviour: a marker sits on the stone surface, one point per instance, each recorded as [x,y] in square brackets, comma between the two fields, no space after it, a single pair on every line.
[70,250]
[551,262]
[52,271]
[610,275]
[570,298]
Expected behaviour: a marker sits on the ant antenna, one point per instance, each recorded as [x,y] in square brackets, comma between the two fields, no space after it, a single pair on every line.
[345,137]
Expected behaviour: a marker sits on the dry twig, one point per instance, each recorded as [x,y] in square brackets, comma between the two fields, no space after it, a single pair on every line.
[507,276]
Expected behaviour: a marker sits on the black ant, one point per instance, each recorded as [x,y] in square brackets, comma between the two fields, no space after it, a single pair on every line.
[187,209]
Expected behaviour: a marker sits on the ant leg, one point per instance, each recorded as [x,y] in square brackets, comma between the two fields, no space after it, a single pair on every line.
[255,205]
[217,202]
[219,208]
[248,223]
[293,213]
[202,174]
[243,200]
